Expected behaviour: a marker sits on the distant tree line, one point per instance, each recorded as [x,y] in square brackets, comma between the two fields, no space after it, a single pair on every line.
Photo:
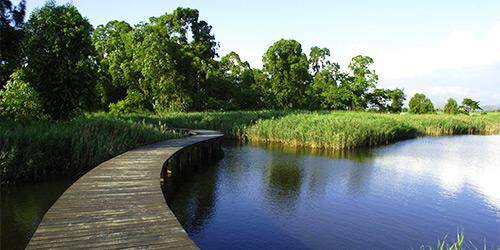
[64,66]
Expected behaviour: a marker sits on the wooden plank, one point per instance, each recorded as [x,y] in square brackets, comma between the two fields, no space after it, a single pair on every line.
[119,204]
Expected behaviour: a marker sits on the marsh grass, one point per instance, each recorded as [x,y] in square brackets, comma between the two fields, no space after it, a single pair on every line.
[233,123]
[43,149]
[348,130]
[40,149]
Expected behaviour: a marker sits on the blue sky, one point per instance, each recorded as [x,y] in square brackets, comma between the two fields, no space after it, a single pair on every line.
[441,48]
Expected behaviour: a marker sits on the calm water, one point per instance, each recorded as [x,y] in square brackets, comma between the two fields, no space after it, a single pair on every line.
[393,197]
[22,208]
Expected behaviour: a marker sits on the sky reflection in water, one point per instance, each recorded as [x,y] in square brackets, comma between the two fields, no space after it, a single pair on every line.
[398,196]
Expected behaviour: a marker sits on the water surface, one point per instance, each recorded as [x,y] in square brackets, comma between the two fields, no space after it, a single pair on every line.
[393,197]
[22,207]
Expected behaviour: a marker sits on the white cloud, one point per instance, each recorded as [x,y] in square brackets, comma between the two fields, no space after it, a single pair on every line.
[460,49]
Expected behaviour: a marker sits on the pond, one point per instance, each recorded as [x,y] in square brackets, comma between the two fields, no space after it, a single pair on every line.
[267,196]
[398,196]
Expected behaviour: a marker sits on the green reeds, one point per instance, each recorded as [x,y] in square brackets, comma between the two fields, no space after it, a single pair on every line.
[458,244]
[348,130]
[42,149]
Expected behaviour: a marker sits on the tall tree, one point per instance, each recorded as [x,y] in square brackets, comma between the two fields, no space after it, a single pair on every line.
[11,35]
[397,100]
[326,82]
[174,53]
[363,79]
[61,63]
[116,74]
[239,76]
[287,67]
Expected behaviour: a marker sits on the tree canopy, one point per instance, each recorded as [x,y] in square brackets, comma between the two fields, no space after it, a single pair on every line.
[171,63]
[287,68]
[451,107]
[420,104]
[60,59]
[11,30]
[470,105]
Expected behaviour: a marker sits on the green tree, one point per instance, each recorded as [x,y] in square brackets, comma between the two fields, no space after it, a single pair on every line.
[363,79]
[379,99]
[11,35]
[390,100]
[19,101]
[116,74]
[61,59]
[287,68]
[262,87]
[397,100]
[420,104]
[470,105]
[451,107]
[324,90]
[318,59]
[175,55]
[238,75]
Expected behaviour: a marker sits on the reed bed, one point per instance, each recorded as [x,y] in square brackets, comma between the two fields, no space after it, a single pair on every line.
[44,149]
[348,130]
[233,123]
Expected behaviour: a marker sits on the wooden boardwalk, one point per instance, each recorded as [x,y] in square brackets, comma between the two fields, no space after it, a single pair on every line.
[118,204]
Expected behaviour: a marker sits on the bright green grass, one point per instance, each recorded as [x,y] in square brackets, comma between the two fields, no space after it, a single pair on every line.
[348,130]
[42,149]
[233,123]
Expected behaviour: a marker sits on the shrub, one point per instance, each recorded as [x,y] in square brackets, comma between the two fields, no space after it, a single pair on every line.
[133,103]
[19,101]
[451,107]
[420,104]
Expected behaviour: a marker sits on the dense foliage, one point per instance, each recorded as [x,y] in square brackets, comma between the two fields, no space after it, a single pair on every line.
[19,102]
[11,25]
[60,61]
[451,107]
[170,63]
[420,104]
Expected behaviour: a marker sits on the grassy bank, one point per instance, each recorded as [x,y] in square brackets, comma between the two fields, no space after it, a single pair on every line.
[44,149]
[348,130]
[332,130]
[233,123]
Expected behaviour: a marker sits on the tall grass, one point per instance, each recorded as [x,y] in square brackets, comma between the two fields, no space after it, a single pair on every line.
[232,123]
[43,149]
[348,130]
[69,148]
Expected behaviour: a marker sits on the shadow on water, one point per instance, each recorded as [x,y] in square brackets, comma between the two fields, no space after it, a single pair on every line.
[22,208]
[284,181]
[358,155]
[192,210]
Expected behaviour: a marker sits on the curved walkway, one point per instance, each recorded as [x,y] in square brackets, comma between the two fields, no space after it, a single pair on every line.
[119,204]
